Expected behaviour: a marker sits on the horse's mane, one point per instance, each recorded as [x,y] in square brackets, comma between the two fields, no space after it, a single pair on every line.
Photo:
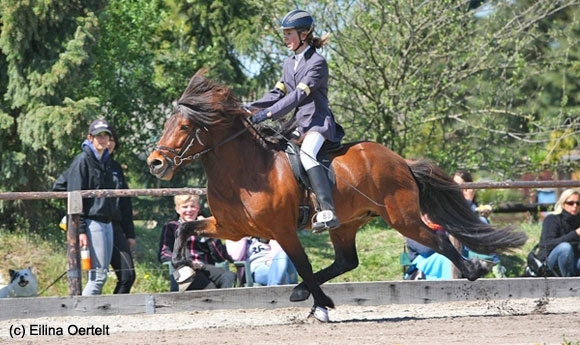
[209,103]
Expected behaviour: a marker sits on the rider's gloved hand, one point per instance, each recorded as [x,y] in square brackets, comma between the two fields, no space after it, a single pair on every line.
[247,108]
[260,116]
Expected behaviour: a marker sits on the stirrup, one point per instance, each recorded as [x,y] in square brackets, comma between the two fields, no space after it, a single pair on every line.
[325,220]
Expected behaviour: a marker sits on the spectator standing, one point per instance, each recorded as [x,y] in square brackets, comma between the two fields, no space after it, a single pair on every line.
[123,226]
[560,238]
[203,252]
[91,170]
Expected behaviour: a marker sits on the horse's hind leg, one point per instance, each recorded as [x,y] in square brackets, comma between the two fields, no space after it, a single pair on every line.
[345,259]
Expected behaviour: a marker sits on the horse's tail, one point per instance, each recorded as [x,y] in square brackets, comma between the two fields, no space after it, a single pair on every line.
[442,200]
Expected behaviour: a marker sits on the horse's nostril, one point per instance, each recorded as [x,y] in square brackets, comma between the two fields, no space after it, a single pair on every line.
[156,163]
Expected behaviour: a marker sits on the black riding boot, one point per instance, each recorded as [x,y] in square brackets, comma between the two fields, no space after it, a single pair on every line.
[322,189]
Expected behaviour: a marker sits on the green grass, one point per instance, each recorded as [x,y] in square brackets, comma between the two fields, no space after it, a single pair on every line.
[378,248]
[47,257]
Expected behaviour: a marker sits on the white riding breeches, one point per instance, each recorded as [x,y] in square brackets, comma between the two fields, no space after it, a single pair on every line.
[309,150]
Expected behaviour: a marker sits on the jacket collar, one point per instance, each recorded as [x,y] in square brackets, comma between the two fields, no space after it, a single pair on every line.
[87,146]
[302,57]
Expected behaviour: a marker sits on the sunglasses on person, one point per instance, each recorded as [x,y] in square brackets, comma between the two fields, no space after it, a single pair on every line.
[570,203]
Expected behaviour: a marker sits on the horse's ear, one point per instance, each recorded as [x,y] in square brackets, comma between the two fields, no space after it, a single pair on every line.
[198,78]
[201,73]
[194,84]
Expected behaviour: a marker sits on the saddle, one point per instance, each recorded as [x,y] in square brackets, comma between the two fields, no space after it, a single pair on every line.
[293,153]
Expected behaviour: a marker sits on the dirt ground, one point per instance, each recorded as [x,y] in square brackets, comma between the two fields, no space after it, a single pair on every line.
[522,321]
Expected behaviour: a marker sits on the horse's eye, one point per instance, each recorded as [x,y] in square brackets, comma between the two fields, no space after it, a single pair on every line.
[184,127]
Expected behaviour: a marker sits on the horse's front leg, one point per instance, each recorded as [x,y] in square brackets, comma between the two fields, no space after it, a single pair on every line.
[292,246]
[184,272]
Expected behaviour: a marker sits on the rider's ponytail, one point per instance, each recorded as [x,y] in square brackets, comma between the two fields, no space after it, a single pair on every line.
[318,42]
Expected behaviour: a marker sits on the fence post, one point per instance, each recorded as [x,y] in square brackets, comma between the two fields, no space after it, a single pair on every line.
[74,209]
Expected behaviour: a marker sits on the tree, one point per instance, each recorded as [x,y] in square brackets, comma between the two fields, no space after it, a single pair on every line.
[446,80]
[438,80]
[46,58]
[65,63]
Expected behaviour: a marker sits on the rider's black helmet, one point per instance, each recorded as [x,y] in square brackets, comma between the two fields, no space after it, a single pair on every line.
[299,20]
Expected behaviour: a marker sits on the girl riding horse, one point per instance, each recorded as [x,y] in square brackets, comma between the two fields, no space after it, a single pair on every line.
[304,87]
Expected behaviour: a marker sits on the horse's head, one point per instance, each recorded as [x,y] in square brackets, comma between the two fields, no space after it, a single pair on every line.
[201,121]
[178,145]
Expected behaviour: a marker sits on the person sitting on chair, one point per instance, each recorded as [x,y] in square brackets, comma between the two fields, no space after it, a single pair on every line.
[560,238]
[426,263]
[204,252]
[268,263]
[470,195]
[304,88]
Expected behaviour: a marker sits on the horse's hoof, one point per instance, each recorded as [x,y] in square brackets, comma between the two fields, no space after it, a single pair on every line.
[477,268]
[184,277]
[299,294]
[487,265]
[183,286]
[319,313]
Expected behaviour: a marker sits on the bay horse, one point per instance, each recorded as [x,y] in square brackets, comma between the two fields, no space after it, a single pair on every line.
[252,191]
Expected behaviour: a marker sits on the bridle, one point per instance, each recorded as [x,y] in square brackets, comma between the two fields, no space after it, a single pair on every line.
[181,155]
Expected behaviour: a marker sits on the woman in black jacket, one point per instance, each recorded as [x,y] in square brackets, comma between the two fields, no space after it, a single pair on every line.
[561,236]
[91,170]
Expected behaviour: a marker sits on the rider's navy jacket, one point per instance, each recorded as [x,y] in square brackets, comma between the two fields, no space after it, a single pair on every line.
[306,92]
